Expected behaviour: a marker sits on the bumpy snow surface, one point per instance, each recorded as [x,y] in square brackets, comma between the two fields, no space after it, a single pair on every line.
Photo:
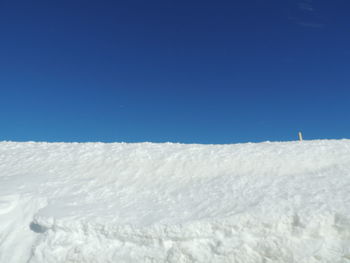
[145,202]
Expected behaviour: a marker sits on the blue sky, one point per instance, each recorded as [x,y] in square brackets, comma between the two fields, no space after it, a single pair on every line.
[179,71]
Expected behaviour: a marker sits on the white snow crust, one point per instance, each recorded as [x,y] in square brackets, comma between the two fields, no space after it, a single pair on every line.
[146,202]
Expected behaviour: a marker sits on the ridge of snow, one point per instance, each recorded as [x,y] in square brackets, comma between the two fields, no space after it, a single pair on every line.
[149,202]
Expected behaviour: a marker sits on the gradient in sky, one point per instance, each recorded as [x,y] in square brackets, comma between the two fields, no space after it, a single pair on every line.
[179,71]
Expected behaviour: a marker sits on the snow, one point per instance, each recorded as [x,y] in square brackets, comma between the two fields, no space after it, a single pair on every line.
[147,202]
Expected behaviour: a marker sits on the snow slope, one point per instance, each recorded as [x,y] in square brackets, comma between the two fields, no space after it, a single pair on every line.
[145,202]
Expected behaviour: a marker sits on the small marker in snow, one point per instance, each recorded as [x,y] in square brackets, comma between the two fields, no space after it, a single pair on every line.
[300,136]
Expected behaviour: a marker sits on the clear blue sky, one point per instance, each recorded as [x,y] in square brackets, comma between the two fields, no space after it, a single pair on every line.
[179,71]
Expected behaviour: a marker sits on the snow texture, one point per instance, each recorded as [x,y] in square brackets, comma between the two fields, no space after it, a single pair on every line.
[145,202]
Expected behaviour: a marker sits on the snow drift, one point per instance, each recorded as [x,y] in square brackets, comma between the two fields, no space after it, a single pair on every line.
[145,202]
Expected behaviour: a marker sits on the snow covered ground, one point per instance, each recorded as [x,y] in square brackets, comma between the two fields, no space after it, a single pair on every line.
[144,202]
